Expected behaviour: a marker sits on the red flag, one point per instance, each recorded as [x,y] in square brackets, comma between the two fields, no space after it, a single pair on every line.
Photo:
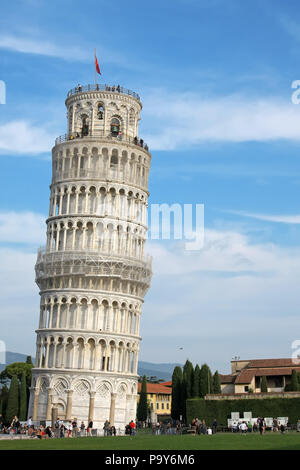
[97,65]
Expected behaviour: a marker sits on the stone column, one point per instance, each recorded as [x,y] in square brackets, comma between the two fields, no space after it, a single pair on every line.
[46,365]
[54,354]
[35,404]
[92,406]
[97,356]
[112,409]
[58,316]
[49,404]
[69,404]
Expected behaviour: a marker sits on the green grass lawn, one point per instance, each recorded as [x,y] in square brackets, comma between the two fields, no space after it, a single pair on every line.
[269,441]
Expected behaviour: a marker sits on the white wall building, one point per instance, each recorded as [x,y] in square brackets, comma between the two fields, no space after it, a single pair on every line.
[92,274]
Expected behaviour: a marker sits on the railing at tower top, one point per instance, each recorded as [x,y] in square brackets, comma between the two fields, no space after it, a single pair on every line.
[103,87]
[100,133]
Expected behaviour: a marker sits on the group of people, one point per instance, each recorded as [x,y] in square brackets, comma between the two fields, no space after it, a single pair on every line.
[108,429]
[258,426]
[199,426]
[130,429]
[166,428]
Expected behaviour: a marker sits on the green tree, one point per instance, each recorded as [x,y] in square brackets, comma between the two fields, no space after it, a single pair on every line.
[23,398]
[263,385]
[196,382]
[177,402]
[216,383]
[206,381]
[12,408]
[29,360]
[142,409]
[188,377]
[294,381]
[17,368]
[3,398]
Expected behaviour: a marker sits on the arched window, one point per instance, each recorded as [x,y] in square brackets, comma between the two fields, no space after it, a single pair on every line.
[115,127]
[100,111]
[85,125]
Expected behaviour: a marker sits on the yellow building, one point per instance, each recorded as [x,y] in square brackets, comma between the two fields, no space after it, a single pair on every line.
[159,396]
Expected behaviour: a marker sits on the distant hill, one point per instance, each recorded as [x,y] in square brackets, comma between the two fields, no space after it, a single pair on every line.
[161,371]
[14,357]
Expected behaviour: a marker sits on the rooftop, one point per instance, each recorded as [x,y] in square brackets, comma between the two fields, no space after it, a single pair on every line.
[156,388]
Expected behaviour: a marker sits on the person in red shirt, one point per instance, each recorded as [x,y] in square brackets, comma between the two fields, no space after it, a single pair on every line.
[132,428]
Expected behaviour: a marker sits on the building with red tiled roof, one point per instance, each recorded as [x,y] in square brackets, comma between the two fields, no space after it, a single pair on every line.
[167,384]
[246,375]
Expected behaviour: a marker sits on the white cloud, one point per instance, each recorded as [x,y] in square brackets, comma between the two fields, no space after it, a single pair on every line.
[181,120]
[43,47]
[283,219]
[74,53]
[21,137]
[19,311]
[232,297]
[22,227]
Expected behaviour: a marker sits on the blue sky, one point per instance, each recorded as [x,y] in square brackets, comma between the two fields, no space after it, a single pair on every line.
[215,80]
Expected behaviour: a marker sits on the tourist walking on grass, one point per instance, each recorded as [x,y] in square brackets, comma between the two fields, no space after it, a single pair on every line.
[106,428]
[260,424]
[214,426]
[82,428]
[62,430]
[89,428]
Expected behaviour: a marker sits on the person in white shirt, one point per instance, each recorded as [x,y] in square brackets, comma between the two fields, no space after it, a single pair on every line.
[243,427]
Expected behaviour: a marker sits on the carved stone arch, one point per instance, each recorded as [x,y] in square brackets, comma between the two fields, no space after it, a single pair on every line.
[81,386]
[112,105]
[91,338]
[60,384]
[42,382]
[61,407]
[102,342]
[79,338]
[134,388]
[122,390]
[104,389]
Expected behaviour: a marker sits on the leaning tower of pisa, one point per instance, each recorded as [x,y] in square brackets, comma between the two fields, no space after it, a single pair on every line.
[92,273]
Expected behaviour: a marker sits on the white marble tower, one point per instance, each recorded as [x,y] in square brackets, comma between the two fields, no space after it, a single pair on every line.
[93,275]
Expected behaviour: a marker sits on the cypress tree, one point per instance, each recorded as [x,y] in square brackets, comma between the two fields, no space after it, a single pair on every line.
[196,382]
[216,383]
[177,405]
[23,398]
[263,385]
[142,409]
[188,375]
[12,408]
[206,381]
[4,396]
[294,381]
